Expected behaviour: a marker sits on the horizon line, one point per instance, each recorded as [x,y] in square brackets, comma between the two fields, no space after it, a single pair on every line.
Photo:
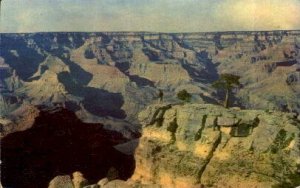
[151,32]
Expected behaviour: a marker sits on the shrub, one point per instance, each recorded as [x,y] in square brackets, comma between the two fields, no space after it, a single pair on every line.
[172,126]
[112,173]
[184,95]
[89,54]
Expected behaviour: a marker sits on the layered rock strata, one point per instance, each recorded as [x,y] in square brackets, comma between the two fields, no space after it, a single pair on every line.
[192,145]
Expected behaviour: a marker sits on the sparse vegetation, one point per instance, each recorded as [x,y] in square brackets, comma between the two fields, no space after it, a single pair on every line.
[161,95]
[199,133]
[172,128]
[159,121]
[227,82]
[184,95]
[89,54]
[112,173]
[287,174]
[281,141]
[292,181]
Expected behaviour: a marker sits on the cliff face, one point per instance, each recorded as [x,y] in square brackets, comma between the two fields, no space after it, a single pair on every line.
[125,70]
[193,144]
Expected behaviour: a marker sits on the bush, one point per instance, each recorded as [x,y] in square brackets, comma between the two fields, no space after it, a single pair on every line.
[112,174]
[184,95]
[89,54]
[172,126]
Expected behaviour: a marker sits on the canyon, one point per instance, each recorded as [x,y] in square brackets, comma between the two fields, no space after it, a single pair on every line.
[100,91]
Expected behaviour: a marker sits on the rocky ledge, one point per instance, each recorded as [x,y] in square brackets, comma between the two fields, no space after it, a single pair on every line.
[182,146]
[210,146]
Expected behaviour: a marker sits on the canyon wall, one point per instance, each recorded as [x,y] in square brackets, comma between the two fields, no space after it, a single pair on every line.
[118,74]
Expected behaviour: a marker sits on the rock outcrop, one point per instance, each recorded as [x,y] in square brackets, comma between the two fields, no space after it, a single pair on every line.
[193,144]
[61,182]
[78,180]
[19,120]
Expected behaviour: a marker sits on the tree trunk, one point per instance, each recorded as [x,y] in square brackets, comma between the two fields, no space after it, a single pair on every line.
[226,102]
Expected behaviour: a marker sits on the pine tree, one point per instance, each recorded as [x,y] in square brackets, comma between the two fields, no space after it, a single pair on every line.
[227,82]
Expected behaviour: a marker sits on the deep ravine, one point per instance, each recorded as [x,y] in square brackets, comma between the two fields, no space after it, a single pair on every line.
[57,144]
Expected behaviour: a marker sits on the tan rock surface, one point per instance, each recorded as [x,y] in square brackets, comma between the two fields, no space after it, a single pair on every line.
[183,146]
[61,182]
[78,180]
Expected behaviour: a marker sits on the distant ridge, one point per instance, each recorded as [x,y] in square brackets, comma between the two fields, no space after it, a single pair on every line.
[158,32]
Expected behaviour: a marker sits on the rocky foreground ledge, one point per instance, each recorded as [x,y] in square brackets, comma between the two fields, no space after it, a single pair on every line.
[41,144]
[196,145]
[207,145]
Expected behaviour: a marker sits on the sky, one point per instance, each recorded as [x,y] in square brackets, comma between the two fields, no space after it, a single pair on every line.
[148,15]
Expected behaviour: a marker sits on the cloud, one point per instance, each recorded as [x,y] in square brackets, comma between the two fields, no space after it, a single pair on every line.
[258,14]
[148,15]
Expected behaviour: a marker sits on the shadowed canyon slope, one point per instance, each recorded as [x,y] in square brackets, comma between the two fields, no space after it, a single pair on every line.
[59,143]
[80,70]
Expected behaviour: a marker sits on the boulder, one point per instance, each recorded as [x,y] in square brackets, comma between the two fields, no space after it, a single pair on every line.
[102,182]
[61,182]
[78,180]
[227,121]
[117,183]
[92,186]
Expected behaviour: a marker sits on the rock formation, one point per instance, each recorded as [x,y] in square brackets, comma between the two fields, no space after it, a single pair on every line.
[193,144]
[47,68]
[80,96]
[203,145]
[61,182]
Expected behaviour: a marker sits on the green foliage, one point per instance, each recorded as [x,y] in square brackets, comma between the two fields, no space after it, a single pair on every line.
[289,178]
[287,142]
[281,141]
[280,137]
[227,81]
[184,95]
[199,133]
[159,121]
[293,180]
[172,128]
[112,173]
